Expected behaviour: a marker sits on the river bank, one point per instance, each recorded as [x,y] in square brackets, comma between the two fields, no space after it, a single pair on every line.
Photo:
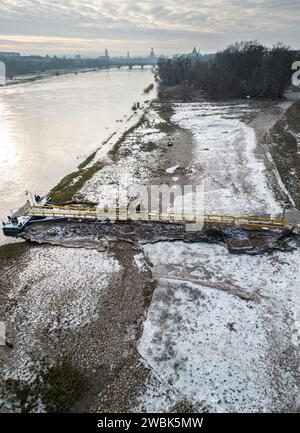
[30,78]
[158,326]
[49,127]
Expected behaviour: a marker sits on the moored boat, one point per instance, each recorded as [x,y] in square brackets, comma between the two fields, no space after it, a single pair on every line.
[16,223]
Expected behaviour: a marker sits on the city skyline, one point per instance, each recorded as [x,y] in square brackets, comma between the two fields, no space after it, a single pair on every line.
[102,54]
[87,27]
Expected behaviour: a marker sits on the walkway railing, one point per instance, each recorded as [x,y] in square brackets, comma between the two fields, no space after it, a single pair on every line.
[83,213]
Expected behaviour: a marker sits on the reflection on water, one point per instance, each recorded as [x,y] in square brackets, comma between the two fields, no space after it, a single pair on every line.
[48,127]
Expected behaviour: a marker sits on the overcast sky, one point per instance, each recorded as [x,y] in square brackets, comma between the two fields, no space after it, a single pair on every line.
[170,26]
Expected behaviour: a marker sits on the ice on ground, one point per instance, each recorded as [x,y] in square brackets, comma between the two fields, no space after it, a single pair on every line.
[172,169]
[152,135]
[235,180]
[139,261]
[217,347]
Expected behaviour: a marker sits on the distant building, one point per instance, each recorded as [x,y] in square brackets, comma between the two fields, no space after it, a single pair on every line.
[105,58]
[152,55]
[194,54]
[32,57]
[9,54]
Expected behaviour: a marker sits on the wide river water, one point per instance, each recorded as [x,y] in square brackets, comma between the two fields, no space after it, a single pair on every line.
[48,127]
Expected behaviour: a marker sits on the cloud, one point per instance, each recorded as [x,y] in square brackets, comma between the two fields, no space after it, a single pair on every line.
[173,25]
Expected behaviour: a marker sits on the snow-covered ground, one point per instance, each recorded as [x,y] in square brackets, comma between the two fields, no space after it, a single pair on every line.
[220,326]
[224,159]
[57,290]
[134,165]
[222,330]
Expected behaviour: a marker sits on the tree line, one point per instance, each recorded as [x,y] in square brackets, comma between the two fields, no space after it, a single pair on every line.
[20,65]
[244,69]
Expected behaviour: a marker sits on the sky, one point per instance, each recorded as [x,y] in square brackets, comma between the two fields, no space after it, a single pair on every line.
[87,27]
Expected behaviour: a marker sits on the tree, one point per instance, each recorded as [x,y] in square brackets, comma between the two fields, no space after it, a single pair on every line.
[241,70]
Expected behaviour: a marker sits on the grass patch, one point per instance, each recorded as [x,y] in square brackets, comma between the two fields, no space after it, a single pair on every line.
[12,251]
[166,111]
[66,189]
[62,387]
[150,146]
[87,160]
[114,153]
[92,156]
[294,88]
[165,127]
[59,388]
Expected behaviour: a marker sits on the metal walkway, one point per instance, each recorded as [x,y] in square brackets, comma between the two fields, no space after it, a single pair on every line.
[93,214]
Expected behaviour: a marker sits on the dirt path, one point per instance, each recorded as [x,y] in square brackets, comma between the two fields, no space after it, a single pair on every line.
[262,125]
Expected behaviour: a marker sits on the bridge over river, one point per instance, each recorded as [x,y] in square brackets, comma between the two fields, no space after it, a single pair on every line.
[107,61]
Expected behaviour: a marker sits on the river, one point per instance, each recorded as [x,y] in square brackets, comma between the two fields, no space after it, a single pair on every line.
[48,127]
